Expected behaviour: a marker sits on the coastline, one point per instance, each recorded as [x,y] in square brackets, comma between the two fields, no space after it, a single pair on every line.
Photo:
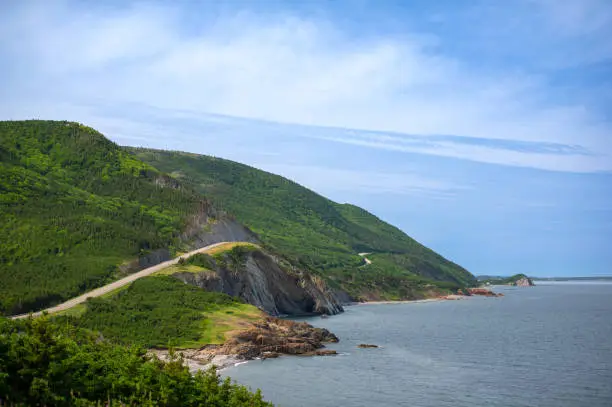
[197,360]
[398,301]
[450,297]
[267,338]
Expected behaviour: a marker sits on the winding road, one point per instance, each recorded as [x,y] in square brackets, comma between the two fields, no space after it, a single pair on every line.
[119,283]
[367,261]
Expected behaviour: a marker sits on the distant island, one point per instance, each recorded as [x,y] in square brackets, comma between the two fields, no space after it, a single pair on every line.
[520,280]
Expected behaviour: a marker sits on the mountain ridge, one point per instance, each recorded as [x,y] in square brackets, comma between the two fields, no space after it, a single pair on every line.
[312,230]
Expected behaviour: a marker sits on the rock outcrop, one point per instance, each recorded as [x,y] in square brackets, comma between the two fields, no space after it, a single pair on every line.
[524,282]
[266,339]
[261,281]
[479,291]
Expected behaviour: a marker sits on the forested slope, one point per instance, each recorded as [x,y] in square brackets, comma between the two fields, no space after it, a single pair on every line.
[313,231]
[73,206]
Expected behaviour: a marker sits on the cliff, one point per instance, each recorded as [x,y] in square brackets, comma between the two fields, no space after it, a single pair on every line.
[261,280]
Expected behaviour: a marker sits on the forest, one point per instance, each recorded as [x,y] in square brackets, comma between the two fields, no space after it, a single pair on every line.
[73,207]
[45,363]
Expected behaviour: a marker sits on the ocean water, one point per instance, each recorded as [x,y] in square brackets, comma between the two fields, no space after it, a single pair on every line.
[549,345]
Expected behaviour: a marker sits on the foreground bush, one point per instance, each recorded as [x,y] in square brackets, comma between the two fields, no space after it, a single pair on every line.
[45,364]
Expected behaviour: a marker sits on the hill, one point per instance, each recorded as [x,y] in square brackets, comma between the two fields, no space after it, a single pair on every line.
[517,279]
[315,232]
[77,212]
[75,209]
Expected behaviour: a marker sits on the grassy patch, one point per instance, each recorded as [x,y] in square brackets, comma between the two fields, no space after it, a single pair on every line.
[229,246]
[231,253]
[187,268]
[219,324]
[161,311]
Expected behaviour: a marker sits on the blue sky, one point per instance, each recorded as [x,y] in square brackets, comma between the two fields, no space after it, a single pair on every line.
[481,128]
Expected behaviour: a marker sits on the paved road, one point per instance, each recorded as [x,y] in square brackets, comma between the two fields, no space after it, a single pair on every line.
[117,284]
[367,261]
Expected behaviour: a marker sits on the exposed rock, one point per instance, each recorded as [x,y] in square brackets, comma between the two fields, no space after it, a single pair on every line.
[266,339]
[451,297]
[270,355]
[262,282]
[523,282]
[343,297]
[365,345]
[208,231]
[481,291]
[205,227]
[321,352]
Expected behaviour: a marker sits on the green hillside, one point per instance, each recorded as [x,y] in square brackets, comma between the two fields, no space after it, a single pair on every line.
[313,231]
[74,206]
[162,311]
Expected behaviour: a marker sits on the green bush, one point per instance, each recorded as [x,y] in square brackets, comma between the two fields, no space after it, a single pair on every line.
[158,311]
[46,364]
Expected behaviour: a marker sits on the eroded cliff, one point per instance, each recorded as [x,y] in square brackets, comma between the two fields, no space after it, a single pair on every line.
[261,280]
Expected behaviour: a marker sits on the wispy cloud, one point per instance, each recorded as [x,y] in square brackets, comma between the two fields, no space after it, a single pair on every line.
[297,70]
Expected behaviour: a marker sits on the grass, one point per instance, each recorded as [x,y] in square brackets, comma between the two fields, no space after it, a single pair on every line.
[218,325]
[187,268]
[160,311]
[203,261]
[225,247]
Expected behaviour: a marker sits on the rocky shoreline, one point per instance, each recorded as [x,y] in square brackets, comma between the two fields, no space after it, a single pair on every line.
[269,338]
[273,337]
[471,292]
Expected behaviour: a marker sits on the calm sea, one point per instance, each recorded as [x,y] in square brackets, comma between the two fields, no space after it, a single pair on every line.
[549,345]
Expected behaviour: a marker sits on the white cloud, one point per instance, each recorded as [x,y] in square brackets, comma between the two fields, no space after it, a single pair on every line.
[295,71]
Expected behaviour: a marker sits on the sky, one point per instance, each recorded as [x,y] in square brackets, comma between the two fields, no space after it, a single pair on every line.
[481,128]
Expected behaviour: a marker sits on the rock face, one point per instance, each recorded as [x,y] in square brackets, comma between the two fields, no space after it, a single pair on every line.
[262,282]
[277,336]
[269,338]
[524,282]
[205,227]
[479,291]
